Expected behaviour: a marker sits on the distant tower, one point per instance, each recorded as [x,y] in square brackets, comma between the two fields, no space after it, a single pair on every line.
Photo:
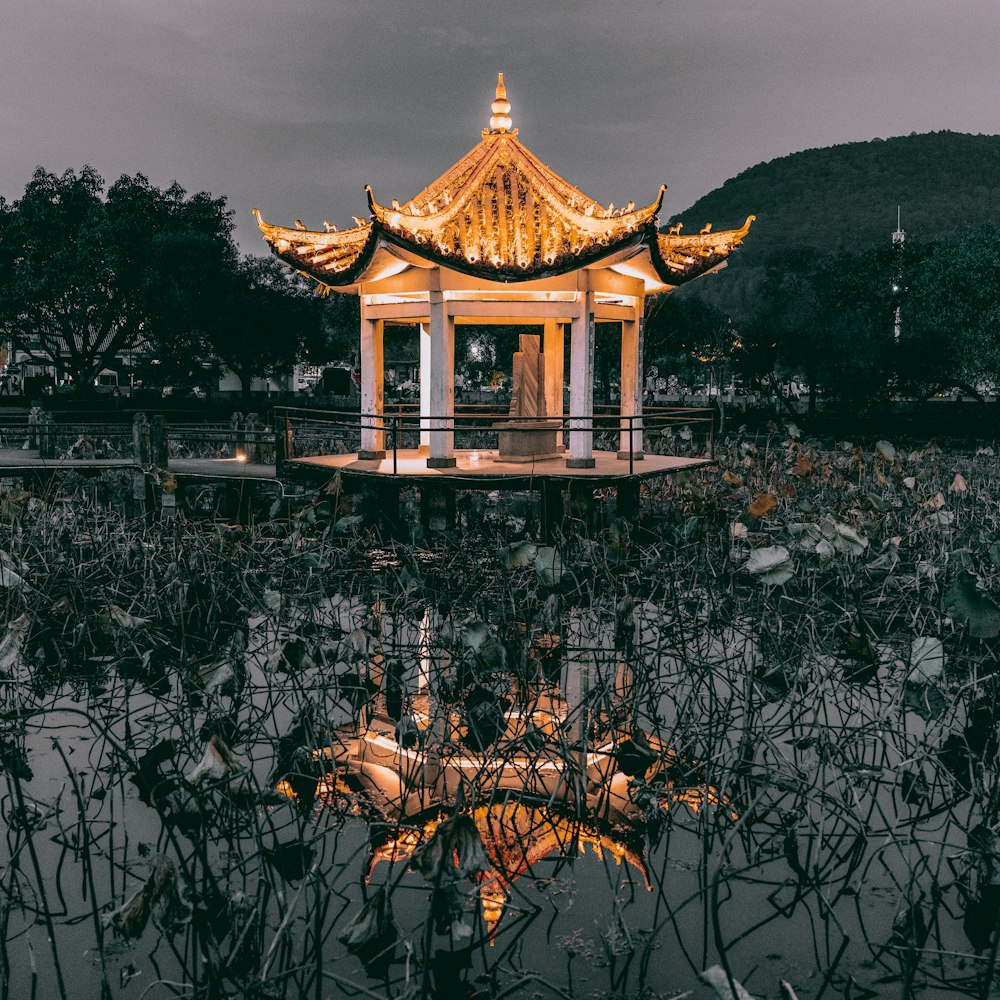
[898,239]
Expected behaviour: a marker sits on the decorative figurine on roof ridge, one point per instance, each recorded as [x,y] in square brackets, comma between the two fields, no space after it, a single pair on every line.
[500,213]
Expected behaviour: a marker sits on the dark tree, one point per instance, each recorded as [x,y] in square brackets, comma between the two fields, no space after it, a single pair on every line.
[687,333]
[265,317]
[951,320]
[86,279]
[830,318]
[339,338]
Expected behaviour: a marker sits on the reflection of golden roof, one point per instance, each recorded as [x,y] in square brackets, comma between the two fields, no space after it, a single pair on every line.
[517,835]
[502,215]
[522,829]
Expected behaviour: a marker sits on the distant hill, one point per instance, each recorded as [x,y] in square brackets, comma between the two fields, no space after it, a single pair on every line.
[845,197]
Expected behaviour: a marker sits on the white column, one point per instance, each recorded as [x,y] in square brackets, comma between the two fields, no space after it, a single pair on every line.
[581,385]
[631,386]
[425,388]
[553,342]
[372,385]
[442,385]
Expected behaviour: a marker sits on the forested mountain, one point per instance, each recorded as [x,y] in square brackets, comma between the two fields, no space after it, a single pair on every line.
[845,197]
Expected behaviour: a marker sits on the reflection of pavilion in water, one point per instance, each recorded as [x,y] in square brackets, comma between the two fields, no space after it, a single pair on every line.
[557,776]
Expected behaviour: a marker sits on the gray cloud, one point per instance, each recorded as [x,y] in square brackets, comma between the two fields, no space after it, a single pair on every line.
[292,107]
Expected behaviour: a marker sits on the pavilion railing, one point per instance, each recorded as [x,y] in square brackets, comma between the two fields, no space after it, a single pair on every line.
[301,432]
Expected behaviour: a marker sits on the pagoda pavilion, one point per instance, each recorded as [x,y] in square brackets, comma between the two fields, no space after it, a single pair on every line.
[501,238]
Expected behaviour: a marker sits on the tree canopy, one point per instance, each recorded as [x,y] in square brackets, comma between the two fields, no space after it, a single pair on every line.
[266,316]
[830,318]
[954,305]
[87,278]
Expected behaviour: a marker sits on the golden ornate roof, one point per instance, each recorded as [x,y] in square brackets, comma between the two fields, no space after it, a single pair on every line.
[502,215]
[328,256]
[680,255]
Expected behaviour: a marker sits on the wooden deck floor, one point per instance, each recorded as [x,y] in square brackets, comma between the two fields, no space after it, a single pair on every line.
[482,469]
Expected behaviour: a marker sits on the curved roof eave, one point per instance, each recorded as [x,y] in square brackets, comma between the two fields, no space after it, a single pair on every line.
[333,279]
[701,253]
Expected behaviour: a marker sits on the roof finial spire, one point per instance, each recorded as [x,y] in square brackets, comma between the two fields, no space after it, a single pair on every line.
[500,121]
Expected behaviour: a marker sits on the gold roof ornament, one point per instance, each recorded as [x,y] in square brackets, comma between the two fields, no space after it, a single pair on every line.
[677,253]
[501,120]
[502,215]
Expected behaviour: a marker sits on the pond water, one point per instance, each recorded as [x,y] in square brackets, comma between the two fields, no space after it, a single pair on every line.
[268,842]
[283,763]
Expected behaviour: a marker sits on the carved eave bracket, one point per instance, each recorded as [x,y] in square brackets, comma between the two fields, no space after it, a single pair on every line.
[678,258]
[333,258]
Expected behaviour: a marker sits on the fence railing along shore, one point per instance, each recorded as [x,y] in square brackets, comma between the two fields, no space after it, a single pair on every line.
[152,439]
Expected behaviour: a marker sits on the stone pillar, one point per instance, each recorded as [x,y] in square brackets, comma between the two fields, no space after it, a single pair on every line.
[442,385]
[581,385]
[34,419]
[253,438]
[141,448]
[552,509]
[283,444]
[425,389]
[631,387]
[372,386]
[237,433]
[46,429]
[553,346]
[437,505]
[159,443]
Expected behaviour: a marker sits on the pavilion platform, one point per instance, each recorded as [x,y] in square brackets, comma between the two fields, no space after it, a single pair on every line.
[484,470]
[382,480]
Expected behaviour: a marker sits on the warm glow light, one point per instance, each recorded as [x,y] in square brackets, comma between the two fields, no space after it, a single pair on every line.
[516,836]
[477,764]
[500,209]
[394,299]
[614,299]
[240,457]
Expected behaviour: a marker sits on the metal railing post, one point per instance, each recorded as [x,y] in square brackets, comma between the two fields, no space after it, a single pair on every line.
[277,424]
[282,440]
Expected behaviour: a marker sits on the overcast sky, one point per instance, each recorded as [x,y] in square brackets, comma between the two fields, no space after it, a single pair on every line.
[292,106]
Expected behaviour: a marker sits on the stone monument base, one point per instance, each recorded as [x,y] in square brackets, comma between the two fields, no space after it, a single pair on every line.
[527,440]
